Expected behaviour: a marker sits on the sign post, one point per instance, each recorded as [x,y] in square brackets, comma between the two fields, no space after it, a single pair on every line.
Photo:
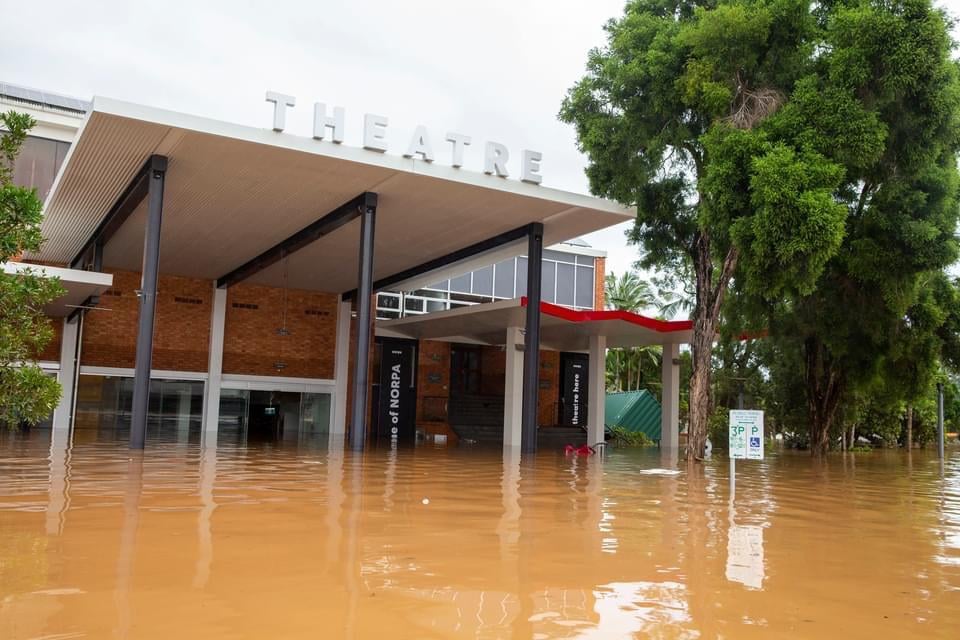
[746,439]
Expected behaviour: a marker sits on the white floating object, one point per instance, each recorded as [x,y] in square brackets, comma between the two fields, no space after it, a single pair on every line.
[660,472]
[425,501]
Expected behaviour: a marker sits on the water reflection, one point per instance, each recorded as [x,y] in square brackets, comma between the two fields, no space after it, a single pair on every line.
[306,540]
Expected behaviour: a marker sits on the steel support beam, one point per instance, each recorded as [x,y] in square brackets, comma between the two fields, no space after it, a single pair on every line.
[123,208]
[91,301]
[148,305]
[312,232]
[341,371]
[531,354]
[450,258]
[361,362]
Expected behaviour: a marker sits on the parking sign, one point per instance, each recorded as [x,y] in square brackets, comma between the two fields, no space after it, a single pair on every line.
[746,435]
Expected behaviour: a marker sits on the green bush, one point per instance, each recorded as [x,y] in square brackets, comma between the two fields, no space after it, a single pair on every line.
[718,428]
[623,437]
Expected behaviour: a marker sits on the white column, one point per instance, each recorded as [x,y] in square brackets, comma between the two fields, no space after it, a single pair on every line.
[341,369]
[211,400]
[58,486]
[513,388]
[67,377]
[597,391]
[670,406]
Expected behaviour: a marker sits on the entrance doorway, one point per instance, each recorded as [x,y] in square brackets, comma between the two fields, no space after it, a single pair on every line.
[574,377]
[258,416]
[465,374]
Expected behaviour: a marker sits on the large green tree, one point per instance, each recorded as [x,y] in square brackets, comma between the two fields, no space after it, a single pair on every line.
[676,115]
[27,395]
[882,102]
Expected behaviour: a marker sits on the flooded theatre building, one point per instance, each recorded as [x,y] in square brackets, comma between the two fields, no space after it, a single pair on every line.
[256,285]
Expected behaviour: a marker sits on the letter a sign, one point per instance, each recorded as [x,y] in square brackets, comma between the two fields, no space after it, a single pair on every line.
[746,435]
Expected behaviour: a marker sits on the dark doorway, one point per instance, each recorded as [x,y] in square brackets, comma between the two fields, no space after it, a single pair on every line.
[270,413]
[574,377]
[395,396]
[464,370]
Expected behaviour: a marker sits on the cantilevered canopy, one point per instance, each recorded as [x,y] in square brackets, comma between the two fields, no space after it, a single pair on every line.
[233,192]
[78,285]
[561,329]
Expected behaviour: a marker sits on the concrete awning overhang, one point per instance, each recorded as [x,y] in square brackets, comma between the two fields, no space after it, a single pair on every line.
[561,329]
[78,285]
[234,191]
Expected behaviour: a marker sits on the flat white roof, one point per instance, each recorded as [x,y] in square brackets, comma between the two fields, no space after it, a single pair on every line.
[234,191]
[78,285]
[561,329]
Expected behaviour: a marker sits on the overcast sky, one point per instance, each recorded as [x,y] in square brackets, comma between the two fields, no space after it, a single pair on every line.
[494,70]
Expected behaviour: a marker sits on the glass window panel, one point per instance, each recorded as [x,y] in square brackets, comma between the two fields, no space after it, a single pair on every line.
[315,414]
[415,305]
[483,281]
[559,256]
[36,165]
[584,296]
[548,281]
[441,286]
[585,260]
[425,293]
[232,425]
[461,284]
[504,278]
[565,284]
[386,301]
[521,277]
[175,409]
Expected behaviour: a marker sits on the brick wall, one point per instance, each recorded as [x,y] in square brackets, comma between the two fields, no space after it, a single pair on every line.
[52,350]
[110,333]
[182,329]
[493,370]
[600,271]
[254,344]
[182,338]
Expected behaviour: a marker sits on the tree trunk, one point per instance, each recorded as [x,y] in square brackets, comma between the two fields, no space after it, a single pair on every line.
[909,427]
[706,319]
[824,388]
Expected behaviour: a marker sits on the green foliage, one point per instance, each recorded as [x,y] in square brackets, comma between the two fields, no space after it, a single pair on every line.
[881,102]
[720,428]
[623,437]
[629,369]
[684,115]
[27,395]
[628,292]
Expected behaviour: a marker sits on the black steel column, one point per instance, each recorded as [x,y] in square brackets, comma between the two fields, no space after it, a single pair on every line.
[148,302]
[531,353]
[361,363]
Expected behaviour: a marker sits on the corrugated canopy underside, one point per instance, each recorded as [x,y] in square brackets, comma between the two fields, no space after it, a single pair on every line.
[232,192]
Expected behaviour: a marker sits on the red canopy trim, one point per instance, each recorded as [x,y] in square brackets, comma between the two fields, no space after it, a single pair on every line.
[571,315]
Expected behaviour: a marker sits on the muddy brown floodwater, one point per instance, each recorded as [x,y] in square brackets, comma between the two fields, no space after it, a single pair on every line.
[267,542]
